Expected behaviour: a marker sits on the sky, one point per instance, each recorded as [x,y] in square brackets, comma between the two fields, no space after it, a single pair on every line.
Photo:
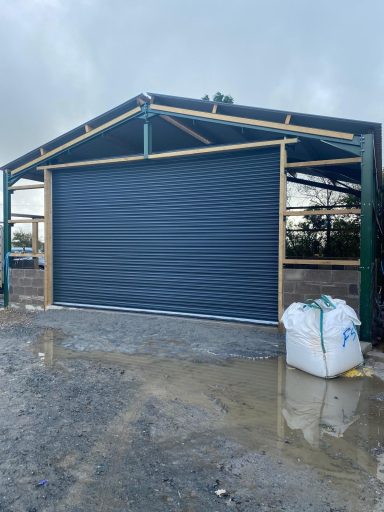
[63,62]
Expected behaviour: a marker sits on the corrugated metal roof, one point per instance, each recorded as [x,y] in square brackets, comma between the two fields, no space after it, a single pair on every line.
[355,126]
[316,121]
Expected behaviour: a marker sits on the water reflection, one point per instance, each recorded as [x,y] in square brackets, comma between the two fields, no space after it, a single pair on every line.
[320,407]
[333,425]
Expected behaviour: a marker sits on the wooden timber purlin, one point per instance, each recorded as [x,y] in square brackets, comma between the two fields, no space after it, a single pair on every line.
[339,211]
[77,140]
[322,163]
[26,220]
[173,154]
[48,271]
[186,129]
[282,231]
[284,128]
[349,263]
[26,187]
[178,124]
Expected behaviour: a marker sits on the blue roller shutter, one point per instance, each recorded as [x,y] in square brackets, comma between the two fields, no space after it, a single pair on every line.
[193,235]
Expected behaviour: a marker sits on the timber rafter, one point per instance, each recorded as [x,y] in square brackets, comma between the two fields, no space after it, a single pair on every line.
[172,154]
[252,123]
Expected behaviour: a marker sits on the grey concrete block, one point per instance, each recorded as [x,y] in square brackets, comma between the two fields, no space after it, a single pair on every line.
[353,303]
[18,290]
[289,298]
[289,286]
[308,296]
[303,287]
[345,276]
[318,276]
[294,274]
[338,291]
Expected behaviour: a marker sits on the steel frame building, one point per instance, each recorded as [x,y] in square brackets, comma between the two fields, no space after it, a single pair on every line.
[167,165]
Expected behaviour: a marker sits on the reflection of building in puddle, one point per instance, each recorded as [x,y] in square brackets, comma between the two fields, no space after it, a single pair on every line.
[46,347]
[318,406]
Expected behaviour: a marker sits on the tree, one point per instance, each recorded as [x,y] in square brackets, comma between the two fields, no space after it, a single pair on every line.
[323,235]
[219,97]
[23,239]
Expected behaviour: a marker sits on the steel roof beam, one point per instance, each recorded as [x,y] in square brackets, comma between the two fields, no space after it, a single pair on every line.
[325,186]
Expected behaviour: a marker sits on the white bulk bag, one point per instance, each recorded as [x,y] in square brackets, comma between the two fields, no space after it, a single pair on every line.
[321,337]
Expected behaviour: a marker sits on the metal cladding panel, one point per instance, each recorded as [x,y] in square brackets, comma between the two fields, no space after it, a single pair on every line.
[193,235]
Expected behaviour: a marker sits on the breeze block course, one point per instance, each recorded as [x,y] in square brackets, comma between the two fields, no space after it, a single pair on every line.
[300,285]
[26,287]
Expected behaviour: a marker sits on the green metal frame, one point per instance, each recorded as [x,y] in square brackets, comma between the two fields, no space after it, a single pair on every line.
[6,234]
[367,238]
[147,138]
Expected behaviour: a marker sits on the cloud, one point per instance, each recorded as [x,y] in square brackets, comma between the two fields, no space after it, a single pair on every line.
[65,61]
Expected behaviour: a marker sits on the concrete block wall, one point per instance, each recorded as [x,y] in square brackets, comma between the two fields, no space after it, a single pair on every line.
[26,287]
[300,284]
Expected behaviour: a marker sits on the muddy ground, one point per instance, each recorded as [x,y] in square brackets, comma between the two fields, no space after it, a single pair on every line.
[103,411]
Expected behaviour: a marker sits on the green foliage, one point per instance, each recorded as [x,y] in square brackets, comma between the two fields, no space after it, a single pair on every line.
[219,97]
[317,236]
[324,236]
[23,239]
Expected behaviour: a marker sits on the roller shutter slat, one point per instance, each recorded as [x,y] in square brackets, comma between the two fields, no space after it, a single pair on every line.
[196,235]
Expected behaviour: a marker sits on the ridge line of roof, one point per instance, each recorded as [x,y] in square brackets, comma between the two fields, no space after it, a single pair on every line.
[276,111]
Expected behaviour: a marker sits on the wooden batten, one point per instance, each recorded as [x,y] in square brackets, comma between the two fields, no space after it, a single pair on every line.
[86,163]
[35,243]
[217,149]
[186,129]
[48,288]
[282,226]
[322,163]
[254,122]
[27,220]
[172,154]
[288,118]
[349,263]
[77,140]
[26,254]
[26,187]
[35,237]
[340,211]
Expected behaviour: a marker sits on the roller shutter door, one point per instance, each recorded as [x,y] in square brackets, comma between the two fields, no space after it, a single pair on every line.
[194,235]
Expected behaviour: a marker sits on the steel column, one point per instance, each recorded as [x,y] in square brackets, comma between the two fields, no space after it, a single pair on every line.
[147,138]
[6,235]
[367,238]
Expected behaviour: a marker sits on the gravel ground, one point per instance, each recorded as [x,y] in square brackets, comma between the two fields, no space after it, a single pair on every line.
[119,412]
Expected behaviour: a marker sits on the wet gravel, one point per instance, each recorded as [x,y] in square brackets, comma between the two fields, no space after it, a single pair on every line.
[87,433]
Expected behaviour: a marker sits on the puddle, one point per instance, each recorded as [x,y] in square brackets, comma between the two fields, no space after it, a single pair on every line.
[335,426]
